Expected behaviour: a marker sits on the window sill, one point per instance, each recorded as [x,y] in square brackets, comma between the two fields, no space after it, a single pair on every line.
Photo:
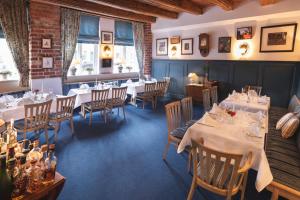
[11,86]
[101,77]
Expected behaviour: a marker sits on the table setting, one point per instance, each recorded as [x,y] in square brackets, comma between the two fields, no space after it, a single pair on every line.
[13,108]
[236,132]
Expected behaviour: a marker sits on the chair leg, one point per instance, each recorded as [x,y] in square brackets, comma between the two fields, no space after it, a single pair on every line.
[91,116]
[118,111]
[46,135]
[143,104]
[105,115]
[56,131]
[275,195]
[24,135]
[244,186]
[190,161]
[193,187]
[124,112]
[72,124]
[166,150]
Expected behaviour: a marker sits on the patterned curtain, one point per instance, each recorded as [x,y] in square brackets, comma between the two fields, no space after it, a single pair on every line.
[138,34]
[14,21]
[70,23]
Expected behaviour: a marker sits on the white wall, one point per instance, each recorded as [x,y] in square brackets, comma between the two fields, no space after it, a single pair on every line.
[218,23]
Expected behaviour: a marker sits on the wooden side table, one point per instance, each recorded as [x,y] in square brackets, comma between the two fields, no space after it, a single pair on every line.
[49,192]
[195,90]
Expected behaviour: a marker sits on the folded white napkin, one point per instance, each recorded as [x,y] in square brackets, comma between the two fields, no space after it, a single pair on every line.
[254,130]
[7,98]
[208,120]
[129,81]
[252,93]
[25,101]
[50,96]
[28,94]
[217,110]
[84,86]
[2,105]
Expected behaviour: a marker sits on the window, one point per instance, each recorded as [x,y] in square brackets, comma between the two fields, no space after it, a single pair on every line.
[8,69]
[85,60]
[125,55]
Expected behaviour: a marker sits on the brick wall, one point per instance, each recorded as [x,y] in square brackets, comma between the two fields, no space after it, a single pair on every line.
[45,23]
[148,48]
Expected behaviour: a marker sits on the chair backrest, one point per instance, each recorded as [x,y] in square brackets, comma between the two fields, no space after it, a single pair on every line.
[214,94]
[149,88]
[173,113]
[257,89]
[119,93]
[206,99]
[37,115]
[168,80]
[65,106]
[161,87]
[99,97]
[217,171]
[187,109]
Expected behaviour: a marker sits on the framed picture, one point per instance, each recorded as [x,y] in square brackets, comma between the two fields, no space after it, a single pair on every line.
[47,62]
[175,40]
[187,46]
[46,43]
[280,38]
[106,37]
[244,33]
[224,45]
[162,47]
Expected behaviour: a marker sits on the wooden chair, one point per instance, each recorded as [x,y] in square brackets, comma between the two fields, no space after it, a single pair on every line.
[214,95]
[218,172]
[98,103]
[187,111]
[64,111]
[175,132]
[119,95]
[148,95]
[36,118]
[206,99]
[257,89]
[159,90]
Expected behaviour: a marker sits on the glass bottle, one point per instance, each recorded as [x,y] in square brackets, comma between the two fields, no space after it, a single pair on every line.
[21,180]
[6,185]
[44,149]
[35,153]
[34,174]
[50,164]
[10,153]
[12,169]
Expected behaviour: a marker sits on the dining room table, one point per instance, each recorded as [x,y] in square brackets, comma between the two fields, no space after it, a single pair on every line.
[134,88]
[237,133]
[13,108]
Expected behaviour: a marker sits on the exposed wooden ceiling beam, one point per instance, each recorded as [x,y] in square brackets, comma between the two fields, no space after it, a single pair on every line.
[99,9]
[182,5]
[138,7]
[225,4]
[267,2]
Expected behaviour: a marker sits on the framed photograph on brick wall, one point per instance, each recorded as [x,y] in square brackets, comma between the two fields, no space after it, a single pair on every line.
[46,43]
[47,62]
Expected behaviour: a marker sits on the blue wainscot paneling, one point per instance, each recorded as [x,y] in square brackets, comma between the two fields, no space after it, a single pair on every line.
[280,80]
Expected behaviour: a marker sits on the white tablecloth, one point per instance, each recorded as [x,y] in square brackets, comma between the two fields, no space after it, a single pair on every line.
[134,88]
[13,111]
[232,138]
[83,95]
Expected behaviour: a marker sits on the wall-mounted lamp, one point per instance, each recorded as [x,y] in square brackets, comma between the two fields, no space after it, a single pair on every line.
[173,50]
[243,48]
[107,51]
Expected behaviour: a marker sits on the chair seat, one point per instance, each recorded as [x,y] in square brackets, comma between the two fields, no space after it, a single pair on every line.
[115,102]
[20,125]
[94,105]
[54,116]
[190,123]
[179,132]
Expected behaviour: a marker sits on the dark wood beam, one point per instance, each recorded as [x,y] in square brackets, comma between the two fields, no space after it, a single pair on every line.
[267,2]
[99,9]
[225,4]
[182,5]
[138,7]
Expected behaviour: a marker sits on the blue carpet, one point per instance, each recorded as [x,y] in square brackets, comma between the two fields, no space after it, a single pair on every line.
[123,160]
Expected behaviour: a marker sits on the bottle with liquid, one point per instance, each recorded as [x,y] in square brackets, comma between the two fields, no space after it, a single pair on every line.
[6,185]
[35,153]
[50,164]
[34,174]
[44,149]
[21,180]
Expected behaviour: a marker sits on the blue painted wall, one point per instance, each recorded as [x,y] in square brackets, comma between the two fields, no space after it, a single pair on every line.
[280,80]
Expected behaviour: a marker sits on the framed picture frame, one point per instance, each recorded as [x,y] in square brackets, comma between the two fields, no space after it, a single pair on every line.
[175,40]
[162,46]
[244,33]
[187,46]
[204,44]
[279,38]
[106,37]
[224,45]
[47,62]
[46,43]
